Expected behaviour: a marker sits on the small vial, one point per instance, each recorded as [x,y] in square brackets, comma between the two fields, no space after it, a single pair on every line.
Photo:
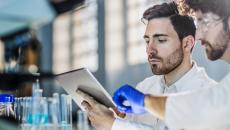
[82,121]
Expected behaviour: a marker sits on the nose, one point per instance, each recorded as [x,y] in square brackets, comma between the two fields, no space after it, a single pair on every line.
[151,49]
[199,34]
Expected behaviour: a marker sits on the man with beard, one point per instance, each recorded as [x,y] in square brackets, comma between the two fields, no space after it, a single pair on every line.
[169,42]
[208,109]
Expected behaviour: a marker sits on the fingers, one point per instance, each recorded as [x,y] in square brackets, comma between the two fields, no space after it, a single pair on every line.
[120,106]
[86,97]
[89,110]
[86,106]
[119,114]
[118,98]
[122,95]
[125,109]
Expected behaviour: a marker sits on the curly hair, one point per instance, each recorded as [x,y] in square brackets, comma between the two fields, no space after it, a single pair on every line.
[220,8]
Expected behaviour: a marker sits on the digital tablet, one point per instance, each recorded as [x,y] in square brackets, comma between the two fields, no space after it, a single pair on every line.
[84,80]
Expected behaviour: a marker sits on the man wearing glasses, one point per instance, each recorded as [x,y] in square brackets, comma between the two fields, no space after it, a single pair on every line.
[169,41]
[208,109]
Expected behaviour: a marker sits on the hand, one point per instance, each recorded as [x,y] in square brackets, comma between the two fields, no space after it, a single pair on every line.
[118,114]
[134,98]
[99,115]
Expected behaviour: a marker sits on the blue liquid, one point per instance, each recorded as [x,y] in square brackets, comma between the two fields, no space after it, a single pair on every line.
[37,119]
[46,127]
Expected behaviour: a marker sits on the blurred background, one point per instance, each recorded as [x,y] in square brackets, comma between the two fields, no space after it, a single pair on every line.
[105,36]
[55,36]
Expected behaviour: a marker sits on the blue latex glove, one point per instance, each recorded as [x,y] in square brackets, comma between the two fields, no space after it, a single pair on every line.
[134,98]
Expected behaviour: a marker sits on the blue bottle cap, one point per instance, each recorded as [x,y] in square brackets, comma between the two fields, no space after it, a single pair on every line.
[6,98]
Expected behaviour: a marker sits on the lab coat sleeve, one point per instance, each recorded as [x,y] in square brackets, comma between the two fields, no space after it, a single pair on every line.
[206,108]
[120,124]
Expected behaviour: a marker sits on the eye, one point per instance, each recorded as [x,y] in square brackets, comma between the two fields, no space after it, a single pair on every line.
[146,41]
[162,39]
[199,19]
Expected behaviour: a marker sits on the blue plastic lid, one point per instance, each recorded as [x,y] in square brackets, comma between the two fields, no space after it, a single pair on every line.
[6,98]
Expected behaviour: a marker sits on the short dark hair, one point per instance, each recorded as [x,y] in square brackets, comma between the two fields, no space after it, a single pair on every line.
[183,24]
[220,8]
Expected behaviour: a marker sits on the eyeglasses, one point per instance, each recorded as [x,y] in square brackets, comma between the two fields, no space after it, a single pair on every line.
[208,21]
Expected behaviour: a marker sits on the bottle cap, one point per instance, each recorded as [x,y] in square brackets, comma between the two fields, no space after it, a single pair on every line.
[6,98]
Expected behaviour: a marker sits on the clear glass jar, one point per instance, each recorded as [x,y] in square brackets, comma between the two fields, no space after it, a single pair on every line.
[6,105]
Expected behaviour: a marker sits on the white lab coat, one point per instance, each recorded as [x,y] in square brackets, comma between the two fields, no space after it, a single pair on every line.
[208,109]
[195,78]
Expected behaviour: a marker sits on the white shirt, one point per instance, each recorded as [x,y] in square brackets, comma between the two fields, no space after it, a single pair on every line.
[208,109]
[195,78]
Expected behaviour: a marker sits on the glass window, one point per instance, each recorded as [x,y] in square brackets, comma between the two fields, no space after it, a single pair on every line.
[114,34]
[75,36]
[61,43]
[136,29]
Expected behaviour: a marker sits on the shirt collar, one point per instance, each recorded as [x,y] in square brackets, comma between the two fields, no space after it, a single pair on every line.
[183,81]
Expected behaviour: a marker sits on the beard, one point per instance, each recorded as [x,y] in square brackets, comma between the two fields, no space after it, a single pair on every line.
[217,50]
[169,63]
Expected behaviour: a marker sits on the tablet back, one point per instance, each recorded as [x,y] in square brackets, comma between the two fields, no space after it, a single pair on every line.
[84,80]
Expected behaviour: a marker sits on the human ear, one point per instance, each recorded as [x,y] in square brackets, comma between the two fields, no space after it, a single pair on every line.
[188,43]
[228,23]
